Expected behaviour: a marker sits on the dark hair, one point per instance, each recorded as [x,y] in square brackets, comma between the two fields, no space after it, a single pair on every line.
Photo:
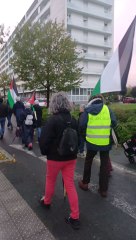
[1,100]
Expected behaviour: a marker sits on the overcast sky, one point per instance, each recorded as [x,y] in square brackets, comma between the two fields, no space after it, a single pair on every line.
[11,12]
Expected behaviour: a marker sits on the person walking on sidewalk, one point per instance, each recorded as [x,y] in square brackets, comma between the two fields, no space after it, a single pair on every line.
[9,116]
[97,122]
[50,139]
[38,118]
[3,115]
[81,149]
[27,121]
[18,110]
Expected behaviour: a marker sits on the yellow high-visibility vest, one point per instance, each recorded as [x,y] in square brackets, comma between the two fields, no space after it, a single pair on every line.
[98,128]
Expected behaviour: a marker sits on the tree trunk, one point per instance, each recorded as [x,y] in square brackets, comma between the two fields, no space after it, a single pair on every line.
[4,92]
[48,95]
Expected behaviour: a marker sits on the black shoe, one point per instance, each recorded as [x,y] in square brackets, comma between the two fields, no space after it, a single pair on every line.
[83,186]
[47,206]
[1,137]
[75,223]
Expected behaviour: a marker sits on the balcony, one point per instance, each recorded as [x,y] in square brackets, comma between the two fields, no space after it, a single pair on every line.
[88,12]
[103,2]
[107,45]
[95,29]
[94,57]
[94,72]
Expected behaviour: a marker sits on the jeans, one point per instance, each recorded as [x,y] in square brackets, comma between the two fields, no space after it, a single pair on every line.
[2,126]
[103,176]
[67,169]
[9,120]
[38,132]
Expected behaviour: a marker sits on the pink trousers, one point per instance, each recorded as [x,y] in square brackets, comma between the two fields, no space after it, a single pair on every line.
[67,169]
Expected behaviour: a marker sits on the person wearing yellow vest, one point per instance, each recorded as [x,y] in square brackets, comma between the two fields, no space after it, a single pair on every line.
[96,124]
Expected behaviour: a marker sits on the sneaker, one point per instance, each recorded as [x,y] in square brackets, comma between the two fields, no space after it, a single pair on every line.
[47,206]
[83,186]
[102,193]
[75,223]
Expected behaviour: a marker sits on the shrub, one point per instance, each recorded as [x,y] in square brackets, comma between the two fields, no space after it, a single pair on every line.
[126,123]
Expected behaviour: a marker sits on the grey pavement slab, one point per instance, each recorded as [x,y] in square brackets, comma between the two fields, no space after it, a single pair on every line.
[17,219]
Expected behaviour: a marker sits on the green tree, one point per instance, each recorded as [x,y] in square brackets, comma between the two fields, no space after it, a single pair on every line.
[133,91]
[3,34]
[128,92]
[46,58]
[4,83]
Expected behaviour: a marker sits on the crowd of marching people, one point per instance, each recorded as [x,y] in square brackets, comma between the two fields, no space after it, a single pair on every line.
[28,118]
[62,139]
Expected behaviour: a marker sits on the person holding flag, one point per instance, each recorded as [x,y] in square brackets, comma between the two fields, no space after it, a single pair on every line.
[96,123]
[12,93]
[9,124]
[14,102]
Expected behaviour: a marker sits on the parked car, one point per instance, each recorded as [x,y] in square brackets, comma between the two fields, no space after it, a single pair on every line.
[129,100]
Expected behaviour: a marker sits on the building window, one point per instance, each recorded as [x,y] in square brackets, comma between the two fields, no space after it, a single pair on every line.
[75,91]
[106,10]
[105,39]
[105,53]
[89,91]
[69,31]
[85,19]
[69,16]
[105,24]
[84,50]
[104,65]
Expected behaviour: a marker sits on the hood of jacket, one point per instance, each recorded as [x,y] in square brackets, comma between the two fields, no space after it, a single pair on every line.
[94,106]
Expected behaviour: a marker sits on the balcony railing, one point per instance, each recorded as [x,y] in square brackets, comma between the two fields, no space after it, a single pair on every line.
[94,57]
[89,12]
[94,72]
[94,43]
[87,27]
[101,2]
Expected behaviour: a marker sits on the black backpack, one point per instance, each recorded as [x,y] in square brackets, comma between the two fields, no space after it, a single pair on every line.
[68,144]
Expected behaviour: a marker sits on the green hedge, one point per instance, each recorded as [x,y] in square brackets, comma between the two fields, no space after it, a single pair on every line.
[126,120]
[126,126]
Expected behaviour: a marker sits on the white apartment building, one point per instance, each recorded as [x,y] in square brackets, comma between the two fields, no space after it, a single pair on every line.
[90,23]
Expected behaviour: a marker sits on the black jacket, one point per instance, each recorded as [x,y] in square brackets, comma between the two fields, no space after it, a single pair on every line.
[51,135]
[38,111]
[3,110]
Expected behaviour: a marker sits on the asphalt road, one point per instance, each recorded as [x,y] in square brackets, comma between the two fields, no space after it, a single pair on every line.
[110,219]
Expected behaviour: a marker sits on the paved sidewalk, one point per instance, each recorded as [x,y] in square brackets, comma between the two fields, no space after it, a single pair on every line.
[17,219]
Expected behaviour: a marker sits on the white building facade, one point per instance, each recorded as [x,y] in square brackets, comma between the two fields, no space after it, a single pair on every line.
[90,23]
